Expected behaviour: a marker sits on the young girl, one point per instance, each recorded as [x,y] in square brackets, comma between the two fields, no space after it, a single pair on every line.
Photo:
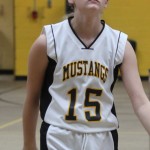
[73,67]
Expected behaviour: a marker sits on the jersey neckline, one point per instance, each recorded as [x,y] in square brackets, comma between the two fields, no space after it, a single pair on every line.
[85,46]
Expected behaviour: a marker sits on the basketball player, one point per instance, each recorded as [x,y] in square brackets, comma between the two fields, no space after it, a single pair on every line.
[73,67]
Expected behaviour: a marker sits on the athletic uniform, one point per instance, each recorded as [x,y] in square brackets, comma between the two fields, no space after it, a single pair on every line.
[77,104]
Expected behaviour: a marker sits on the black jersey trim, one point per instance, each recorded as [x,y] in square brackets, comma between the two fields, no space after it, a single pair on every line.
[86,47]
[115,138]
[116,70]
[54,42]
[43,133]
[115,73]
[45,97]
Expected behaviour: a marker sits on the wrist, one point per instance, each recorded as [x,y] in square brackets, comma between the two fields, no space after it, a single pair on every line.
[30,147]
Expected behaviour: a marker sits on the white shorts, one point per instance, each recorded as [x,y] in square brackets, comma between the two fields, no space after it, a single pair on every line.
[55,138]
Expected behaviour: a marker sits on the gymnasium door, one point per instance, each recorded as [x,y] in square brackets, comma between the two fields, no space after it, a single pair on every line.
[7,51]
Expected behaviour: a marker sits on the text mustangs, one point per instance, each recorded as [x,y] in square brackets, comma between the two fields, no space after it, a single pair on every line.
[85,68]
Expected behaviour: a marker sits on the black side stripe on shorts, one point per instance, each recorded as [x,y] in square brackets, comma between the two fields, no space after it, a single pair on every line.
[43,132]
[115,139]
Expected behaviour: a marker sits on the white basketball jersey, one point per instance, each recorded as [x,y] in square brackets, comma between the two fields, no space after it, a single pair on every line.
[80,79]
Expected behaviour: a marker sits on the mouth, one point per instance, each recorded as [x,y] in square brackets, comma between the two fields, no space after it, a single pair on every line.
[94,1]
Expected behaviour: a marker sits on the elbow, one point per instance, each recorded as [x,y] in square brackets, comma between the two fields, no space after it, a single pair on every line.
[139,102]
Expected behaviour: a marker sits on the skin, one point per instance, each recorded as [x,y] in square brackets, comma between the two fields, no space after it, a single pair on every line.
[87,25]
[87,17]
[134,88]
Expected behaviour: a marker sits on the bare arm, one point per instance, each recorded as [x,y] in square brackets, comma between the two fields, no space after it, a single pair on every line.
[37,64]
[133,85]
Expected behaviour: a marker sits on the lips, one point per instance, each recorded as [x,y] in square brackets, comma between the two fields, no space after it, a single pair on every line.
[94,1]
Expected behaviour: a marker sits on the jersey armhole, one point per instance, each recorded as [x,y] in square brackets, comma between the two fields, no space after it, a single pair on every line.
[51,43]
[54,41]
[120,49]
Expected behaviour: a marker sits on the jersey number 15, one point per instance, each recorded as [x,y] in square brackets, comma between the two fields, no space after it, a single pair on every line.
[87,104]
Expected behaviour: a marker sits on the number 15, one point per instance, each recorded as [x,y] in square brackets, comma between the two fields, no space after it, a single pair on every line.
[87,104]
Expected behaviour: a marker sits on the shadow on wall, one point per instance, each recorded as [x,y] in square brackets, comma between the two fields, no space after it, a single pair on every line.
[5,49]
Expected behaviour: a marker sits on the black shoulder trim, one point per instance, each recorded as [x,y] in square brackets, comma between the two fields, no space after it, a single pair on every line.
[54,41]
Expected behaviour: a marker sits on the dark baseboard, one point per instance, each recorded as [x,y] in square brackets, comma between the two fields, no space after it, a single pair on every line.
[144,78]
[20,78]
[6,71]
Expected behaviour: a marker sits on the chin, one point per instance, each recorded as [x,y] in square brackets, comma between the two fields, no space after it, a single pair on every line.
[94,8]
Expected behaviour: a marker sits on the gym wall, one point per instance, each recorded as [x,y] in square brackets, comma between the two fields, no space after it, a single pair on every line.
[7,52]
[133,18]
[28,29]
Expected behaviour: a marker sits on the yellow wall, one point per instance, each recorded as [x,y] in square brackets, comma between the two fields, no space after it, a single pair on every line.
[130,16]
[133,18]
[6,35]
[27,29]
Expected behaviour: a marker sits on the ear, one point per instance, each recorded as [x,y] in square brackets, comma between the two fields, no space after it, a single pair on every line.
[71,2]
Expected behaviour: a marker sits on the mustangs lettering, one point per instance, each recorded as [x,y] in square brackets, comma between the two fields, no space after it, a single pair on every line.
[85,68]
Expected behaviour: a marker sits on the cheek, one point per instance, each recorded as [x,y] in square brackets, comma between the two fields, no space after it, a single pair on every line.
[105,3]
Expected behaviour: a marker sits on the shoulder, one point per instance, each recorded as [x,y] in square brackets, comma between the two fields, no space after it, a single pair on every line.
[40,42]
[129,51]
[49,27]
[60,23]
[117,36]
[118,39]
[38,48]
[114,32]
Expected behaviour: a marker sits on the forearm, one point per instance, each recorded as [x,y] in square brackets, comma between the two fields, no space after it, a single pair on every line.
[30,115]
[143,113]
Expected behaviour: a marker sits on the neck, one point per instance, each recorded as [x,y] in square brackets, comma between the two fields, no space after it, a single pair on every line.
[86,26]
